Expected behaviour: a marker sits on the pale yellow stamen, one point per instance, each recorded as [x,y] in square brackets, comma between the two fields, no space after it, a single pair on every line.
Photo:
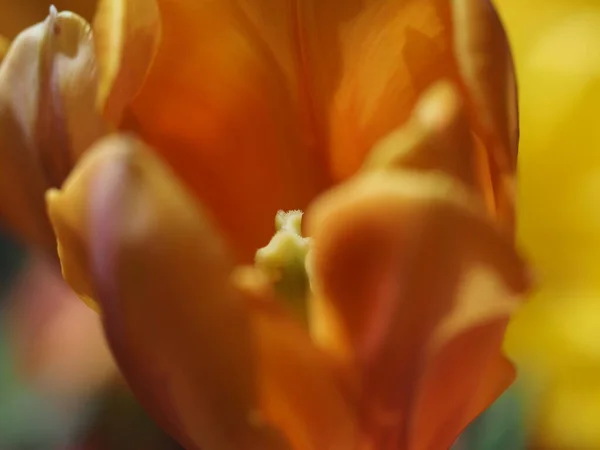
[283,260]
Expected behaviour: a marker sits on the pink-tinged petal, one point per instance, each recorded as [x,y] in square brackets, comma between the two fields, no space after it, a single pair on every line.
[414,286]
[487,70]
[201,350]
[126,37]
[47,118]
[160,276]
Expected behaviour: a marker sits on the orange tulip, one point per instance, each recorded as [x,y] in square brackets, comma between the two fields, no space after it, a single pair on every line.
[337,108]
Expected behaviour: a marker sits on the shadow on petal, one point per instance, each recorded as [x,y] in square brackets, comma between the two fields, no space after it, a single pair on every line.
[126,38]
[436,137]
[4,44]
[47,118]
[217,365]
[299,389]
[406,266]
[488,73]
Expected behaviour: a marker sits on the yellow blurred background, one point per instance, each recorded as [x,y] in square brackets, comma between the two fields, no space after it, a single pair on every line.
[556,339]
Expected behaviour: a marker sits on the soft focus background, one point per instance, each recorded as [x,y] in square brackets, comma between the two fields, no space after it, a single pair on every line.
[59,388]
[556,340]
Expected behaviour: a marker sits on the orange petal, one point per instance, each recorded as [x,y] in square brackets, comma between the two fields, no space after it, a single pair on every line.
[487,69]
[160,274]
[438,136]
[391,52]
[126,37]
[47,118]
[221,104]
[16,16]
[414,286]
[299,390]
[4,44]
[435,138]
[388,55]
[202,355]
[247,100]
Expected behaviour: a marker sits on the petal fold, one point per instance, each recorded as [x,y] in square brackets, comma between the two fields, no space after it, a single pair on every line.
[278,102]
[220,106]
[203,352]
[435,138]
[47,117]
[375,65]
[487,69]
[300,393]
[414,286]
[4,44]
[126,37]
[160,275]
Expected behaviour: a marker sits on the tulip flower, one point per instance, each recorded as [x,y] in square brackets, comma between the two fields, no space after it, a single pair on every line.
[378,322]
[555,340]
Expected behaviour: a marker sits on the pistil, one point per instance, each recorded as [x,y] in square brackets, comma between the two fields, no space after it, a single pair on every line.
[283,260]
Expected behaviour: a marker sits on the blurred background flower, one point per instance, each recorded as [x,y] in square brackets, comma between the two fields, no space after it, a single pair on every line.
[59,387]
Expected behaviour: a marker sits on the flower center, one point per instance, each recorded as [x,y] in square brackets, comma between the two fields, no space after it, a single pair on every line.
[283,261]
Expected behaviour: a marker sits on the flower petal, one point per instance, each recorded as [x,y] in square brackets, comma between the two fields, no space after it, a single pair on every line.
[4,44]
[126,37]
[203,355]
[435,138]
[300,394]
[487,69]
[414,286]
[376,66]
[47,117]
[160,273]
[392,52]
[220,104]
[16,16]
[270,102]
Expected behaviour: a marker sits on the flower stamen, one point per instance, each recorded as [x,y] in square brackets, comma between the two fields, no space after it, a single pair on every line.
[283,261]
